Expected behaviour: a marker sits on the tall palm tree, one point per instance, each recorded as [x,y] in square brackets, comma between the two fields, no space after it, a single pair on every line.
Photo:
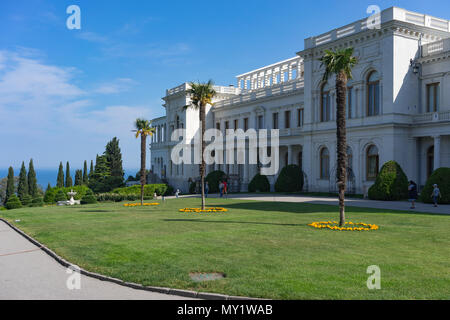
[340,63]
[201,95]
[143,129]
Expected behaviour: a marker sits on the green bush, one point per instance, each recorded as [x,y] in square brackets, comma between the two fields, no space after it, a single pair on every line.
[88,198]
[391,183]
[26,200]
[3,209]
[290,179]
[149,190]
[213,179]
[441,177]
[192,187]
[170,191]
[37,202]
[13,203]
[117,197]
[259,183]
[50,195]
[60,195]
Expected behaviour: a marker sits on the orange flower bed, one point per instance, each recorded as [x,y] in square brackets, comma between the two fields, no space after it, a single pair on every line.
[138,204]
[207,210]
[349,226]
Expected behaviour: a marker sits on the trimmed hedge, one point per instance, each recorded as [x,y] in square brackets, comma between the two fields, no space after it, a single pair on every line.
[259,183]
[441,177]
[391,183]
[37,202]
[117,197]
[50,194]
[149,190]
[290,179]
[213,179]
[13,203]
[88,198]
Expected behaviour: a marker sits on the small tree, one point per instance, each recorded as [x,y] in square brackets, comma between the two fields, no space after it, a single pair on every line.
[10,187]
[60,178]
[22,188]
[49,196]
[32,181]
[69,181]
[85,173]
[60,195]
[391,183]
[13,203]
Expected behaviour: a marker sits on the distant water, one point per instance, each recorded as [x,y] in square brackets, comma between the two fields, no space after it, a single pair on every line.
[46,176]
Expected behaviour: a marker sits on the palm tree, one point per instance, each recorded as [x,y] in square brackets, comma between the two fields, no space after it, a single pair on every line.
[201,94]
[340,63]
[143,129]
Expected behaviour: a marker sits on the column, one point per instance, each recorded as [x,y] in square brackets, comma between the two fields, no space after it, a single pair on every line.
[437,152]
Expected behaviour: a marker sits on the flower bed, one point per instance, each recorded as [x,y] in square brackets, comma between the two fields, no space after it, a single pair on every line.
[199,210]
[349,226]
[138,204]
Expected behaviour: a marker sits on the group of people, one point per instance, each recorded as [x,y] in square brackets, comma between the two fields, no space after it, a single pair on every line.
[412,194]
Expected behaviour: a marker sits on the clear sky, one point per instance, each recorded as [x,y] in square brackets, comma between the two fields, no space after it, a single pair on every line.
[64,93]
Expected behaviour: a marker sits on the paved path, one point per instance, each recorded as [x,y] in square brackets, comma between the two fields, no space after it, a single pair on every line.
[388,205]
[26,273]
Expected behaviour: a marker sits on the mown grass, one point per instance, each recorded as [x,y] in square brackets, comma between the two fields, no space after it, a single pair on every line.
[266,249]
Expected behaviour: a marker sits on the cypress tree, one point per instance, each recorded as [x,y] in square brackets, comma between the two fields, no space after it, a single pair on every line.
[32,181]
[9,184]
[101,168]
[60,179]
[22,188]
[91,171]
[78,177]
[85,173]
[69,181]
[114,158]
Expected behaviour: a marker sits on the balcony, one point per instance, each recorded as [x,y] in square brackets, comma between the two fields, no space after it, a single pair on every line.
[219,89]
[437,47]
[432,117]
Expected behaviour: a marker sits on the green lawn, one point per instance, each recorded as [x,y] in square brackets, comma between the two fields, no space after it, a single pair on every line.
[266,249]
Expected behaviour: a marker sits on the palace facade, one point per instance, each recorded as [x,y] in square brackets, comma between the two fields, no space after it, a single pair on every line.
[398,107]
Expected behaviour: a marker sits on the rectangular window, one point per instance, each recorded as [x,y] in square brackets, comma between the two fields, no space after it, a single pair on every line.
[227,126]
[349,103]
[275,121]
[287,119]
[325,107]
[300,120]
[236,124]
[218,125]
[433,97]
[260,122]
[245,124]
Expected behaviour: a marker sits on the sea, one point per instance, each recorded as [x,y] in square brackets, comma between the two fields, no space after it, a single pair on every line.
[46,176]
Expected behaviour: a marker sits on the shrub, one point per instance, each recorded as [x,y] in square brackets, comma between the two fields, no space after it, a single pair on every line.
[192,187]
[60,195]
[3,209]
[213,179]
[391,183]
[170,191]
[149,190]
[441,177]
[26,200]
[37,202]
[259,183]
[88,198]
[13,203]
[49,196]
[290,179]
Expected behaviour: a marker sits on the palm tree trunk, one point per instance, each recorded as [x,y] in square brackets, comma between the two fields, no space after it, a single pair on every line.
[143,156]
[202,165]
[341,172]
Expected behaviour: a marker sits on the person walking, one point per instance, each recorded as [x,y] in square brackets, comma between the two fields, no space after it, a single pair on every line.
[177,193]
[206,189]
[412,193]
[436,194]
[221,189]
[225,188]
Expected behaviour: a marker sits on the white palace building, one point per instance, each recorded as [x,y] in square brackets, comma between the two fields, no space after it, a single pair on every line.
[398,107]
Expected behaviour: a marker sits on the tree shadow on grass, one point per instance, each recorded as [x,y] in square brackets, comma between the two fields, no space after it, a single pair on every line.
[238,222]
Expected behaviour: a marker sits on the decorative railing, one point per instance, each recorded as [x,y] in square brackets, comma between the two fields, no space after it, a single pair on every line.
[219,89]
[435,47]
[430,117]
[247,96]
[385,16]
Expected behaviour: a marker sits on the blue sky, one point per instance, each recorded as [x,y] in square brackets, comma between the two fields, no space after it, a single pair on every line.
[65,93]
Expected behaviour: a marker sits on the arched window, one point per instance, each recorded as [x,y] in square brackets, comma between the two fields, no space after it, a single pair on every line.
[349,157]
[372,162]
[325,105]
[373,94]
[324,164]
